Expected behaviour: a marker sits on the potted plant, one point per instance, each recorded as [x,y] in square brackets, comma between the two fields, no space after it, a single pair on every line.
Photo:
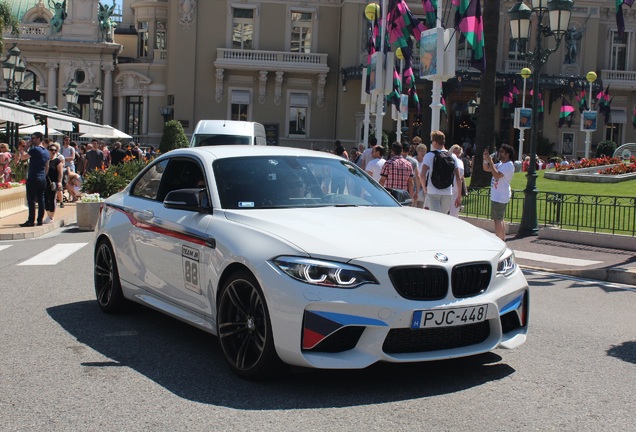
[98,184]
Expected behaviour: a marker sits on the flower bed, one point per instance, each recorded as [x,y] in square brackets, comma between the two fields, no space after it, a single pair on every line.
[596,162]
[12,198]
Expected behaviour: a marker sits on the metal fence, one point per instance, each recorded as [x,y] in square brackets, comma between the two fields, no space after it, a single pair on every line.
[592,213]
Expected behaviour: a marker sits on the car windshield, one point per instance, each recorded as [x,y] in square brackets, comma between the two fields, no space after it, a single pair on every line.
[221,139]
[292,182]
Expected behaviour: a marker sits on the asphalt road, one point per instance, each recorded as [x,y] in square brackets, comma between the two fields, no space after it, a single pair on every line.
[66,366]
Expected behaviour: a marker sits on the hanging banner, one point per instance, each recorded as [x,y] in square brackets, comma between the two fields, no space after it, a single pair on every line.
[588,122]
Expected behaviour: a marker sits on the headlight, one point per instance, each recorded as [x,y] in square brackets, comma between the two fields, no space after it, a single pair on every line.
[324,273]
[506,265]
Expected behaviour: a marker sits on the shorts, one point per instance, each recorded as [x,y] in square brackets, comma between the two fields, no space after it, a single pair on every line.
[497,210]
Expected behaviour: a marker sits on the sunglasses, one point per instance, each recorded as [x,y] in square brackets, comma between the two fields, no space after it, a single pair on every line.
[52,149]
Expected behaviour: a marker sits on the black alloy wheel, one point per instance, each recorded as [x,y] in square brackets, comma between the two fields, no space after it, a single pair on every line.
[244,328]
[106,278]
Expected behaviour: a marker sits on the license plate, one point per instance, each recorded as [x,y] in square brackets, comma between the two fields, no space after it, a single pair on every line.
[449,317]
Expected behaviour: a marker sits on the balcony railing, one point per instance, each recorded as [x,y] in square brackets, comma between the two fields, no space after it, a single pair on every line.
[271,60]
[620,80]
[31,31]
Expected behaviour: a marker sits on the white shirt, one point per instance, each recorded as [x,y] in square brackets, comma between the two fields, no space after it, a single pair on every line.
[366,157]
[428,161]
[375,167]
[500,188]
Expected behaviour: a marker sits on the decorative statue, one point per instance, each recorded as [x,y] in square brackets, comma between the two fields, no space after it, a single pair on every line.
[106,23]
[572,37]
[59,15]
[187,10]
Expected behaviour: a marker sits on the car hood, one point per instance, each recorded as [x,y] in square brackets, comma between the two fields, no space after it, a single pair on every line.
[357,232]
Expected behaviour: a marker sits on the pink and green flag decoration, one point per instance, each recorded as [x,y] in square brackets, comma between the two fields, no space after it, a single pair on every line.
[401,23]
[469,21]
[541,107]
[581,100]
[634,117]
[373,43]
[620,21]
[604,103]
[508,98]
[394,97]
[567,113]
[403,28]
[515,92]
[430,9]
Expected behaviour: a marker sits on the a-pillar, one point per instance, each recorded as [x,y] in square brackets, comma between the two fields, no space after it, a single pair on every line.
[107,111]
[51,94]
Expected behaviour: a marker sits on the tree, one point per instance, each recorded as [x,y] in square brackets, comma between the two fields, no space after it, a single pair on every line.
[485,136]
[7,20]
[173,137]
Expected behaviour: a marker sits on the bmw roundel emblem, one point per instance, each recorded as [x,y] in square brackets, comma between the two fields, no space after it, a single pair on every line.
[441,257]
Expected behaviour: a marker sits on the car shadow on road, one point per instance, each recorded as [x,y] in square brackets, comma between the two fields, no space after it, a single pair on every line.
[188,363]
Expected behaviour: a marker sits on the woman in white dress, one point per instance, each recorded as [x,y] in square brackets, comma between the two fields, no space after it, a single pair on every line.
[456,151]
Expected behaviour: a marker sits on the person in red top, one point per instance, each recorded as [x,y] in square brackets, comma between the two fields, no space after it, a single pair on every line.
[397,172]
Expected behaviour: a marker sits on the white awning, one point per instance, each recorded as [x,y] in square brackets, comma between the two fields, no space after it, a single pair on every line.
[618,116]
[26,114]
[59,124]
[16,116]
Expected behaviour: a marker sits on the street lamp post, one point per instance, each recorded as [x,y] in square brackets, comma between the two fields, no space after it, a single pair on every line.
[13,70]
[591,77]
[559,14]
[525,74]
[71,97]
[98,104]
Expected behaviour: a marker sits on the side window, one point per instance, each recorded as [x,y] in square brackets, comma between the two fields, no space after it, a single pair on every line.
[148,185]
[181,173]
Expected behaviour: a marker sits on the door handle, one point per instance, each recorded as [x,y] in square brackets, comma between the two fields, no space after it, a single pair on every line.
[145,214]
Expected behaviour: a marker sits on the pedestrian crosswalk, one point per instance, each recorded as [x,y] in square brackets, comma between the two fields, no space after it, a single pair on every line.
[54,254]
[555,259]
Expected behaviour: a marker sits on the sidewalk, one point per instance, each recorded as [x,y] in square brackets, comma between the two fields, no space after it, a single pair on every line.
[10,228]
[567,257]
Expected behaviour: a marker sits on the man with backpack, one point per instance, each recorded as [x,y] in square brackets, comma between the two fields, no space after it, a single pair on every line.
[439,171]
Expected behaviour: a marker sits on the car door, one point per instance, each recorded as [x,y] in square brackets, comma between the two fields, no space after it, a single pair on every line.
[171,244]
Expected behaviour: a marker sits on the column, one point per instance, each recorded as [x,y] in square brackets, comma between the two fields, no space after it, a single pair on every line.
[121,112]
[51,94]
[107,111]
[146,102]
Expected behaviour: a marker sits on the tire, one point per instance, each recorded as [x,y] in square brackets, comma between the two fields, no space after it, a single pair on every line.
[110,297]
[244,328]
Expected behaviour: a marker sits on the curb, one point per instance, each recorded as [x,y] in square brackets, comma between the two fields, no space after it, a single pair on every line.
[615,275]
[39,231]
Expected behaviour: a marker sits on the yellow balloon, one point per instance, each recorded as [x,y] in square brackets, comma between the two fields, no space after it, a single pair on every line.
[591,76]
[372,11]
[398,54]
[525,73]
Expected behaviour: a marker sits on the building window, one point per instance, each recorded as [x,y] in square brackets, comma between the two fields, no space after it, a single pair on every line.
[134,113]
[298,114]
[242,28]
[30,88]
[514,49]
[160,37]
[301,29]
[619,51]
[240,105]
[142,35]
[614,128]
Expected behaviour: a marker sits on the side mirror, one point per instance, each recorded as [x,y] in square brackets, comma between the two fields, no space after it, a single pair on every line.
[187,199]
[401,196]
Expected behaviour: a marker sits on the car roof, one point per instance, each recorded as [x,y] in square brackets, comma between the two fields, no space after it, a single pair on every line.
[228,151]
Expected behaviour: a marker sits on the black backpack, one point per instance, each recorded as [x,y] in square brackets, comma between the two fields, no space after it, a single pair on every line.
[467,170]
[443,169]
